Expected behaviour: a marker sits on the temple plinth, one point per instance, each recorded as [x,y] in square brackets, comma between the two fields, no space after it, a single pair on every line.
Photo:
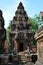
[21,34]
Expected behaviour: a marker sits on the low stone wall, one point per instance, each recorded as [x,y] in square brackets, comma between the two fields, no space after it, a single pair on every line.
[11,59]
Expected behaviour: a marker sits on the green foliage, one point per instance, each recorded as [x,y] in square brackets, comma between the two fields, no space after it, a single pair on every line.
[34,42]
[34,24]
[8,31]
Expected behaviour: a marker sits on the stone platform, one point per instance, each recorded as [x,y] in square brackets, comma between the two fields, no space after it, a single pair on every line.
[39,63]
[19,59]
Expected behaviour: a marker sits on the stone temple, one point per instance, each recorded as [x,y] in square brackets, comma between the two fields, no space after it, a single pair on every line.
[39,38]
[21,33]
[21,38]
[2,33]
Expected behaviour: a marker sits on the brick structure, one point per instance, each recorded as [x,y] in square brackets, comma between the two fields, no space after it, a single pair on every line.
[21,34]
[39,38]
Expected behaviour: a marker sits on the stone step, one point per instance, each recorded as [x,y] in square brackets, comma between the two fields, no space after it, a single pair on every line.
[23,58]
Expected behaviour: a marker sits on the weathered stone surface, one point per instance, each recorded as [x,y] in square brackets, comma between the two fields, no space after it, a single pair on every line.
[38,63]
[21,32]
[39,38]
[2,33]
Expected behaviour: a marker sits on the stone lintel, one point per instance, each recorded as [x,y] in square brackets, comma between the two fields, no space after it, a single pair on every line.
[39,35]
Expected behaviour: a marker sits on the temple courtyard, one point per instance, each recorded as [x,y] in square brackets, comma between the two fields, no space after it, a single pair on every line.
[21,50]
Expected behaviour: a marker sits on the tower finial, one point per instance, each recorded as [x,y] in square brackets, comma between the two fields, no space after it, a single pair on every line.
[20,3]
[20,6]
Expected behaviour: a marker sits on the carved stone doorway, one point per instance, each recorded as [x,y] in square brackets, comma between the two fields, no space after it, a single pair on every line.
[20,47]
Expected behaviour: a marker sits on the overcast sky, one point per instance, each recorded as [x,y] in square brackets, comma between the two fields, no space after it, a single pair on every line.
[9,7]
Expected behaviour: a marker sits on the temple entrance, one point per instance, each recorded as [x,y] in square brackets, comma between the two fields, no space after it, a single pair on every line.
[20,47]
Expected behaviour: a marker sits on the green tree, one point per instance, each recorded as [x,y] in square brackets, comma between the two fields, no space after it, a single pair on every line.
[34,24]
[8,31]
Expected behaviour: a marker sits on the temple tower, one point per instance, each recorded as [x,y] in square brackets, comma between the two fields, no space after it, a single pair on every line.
[2,33]
[21,34]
